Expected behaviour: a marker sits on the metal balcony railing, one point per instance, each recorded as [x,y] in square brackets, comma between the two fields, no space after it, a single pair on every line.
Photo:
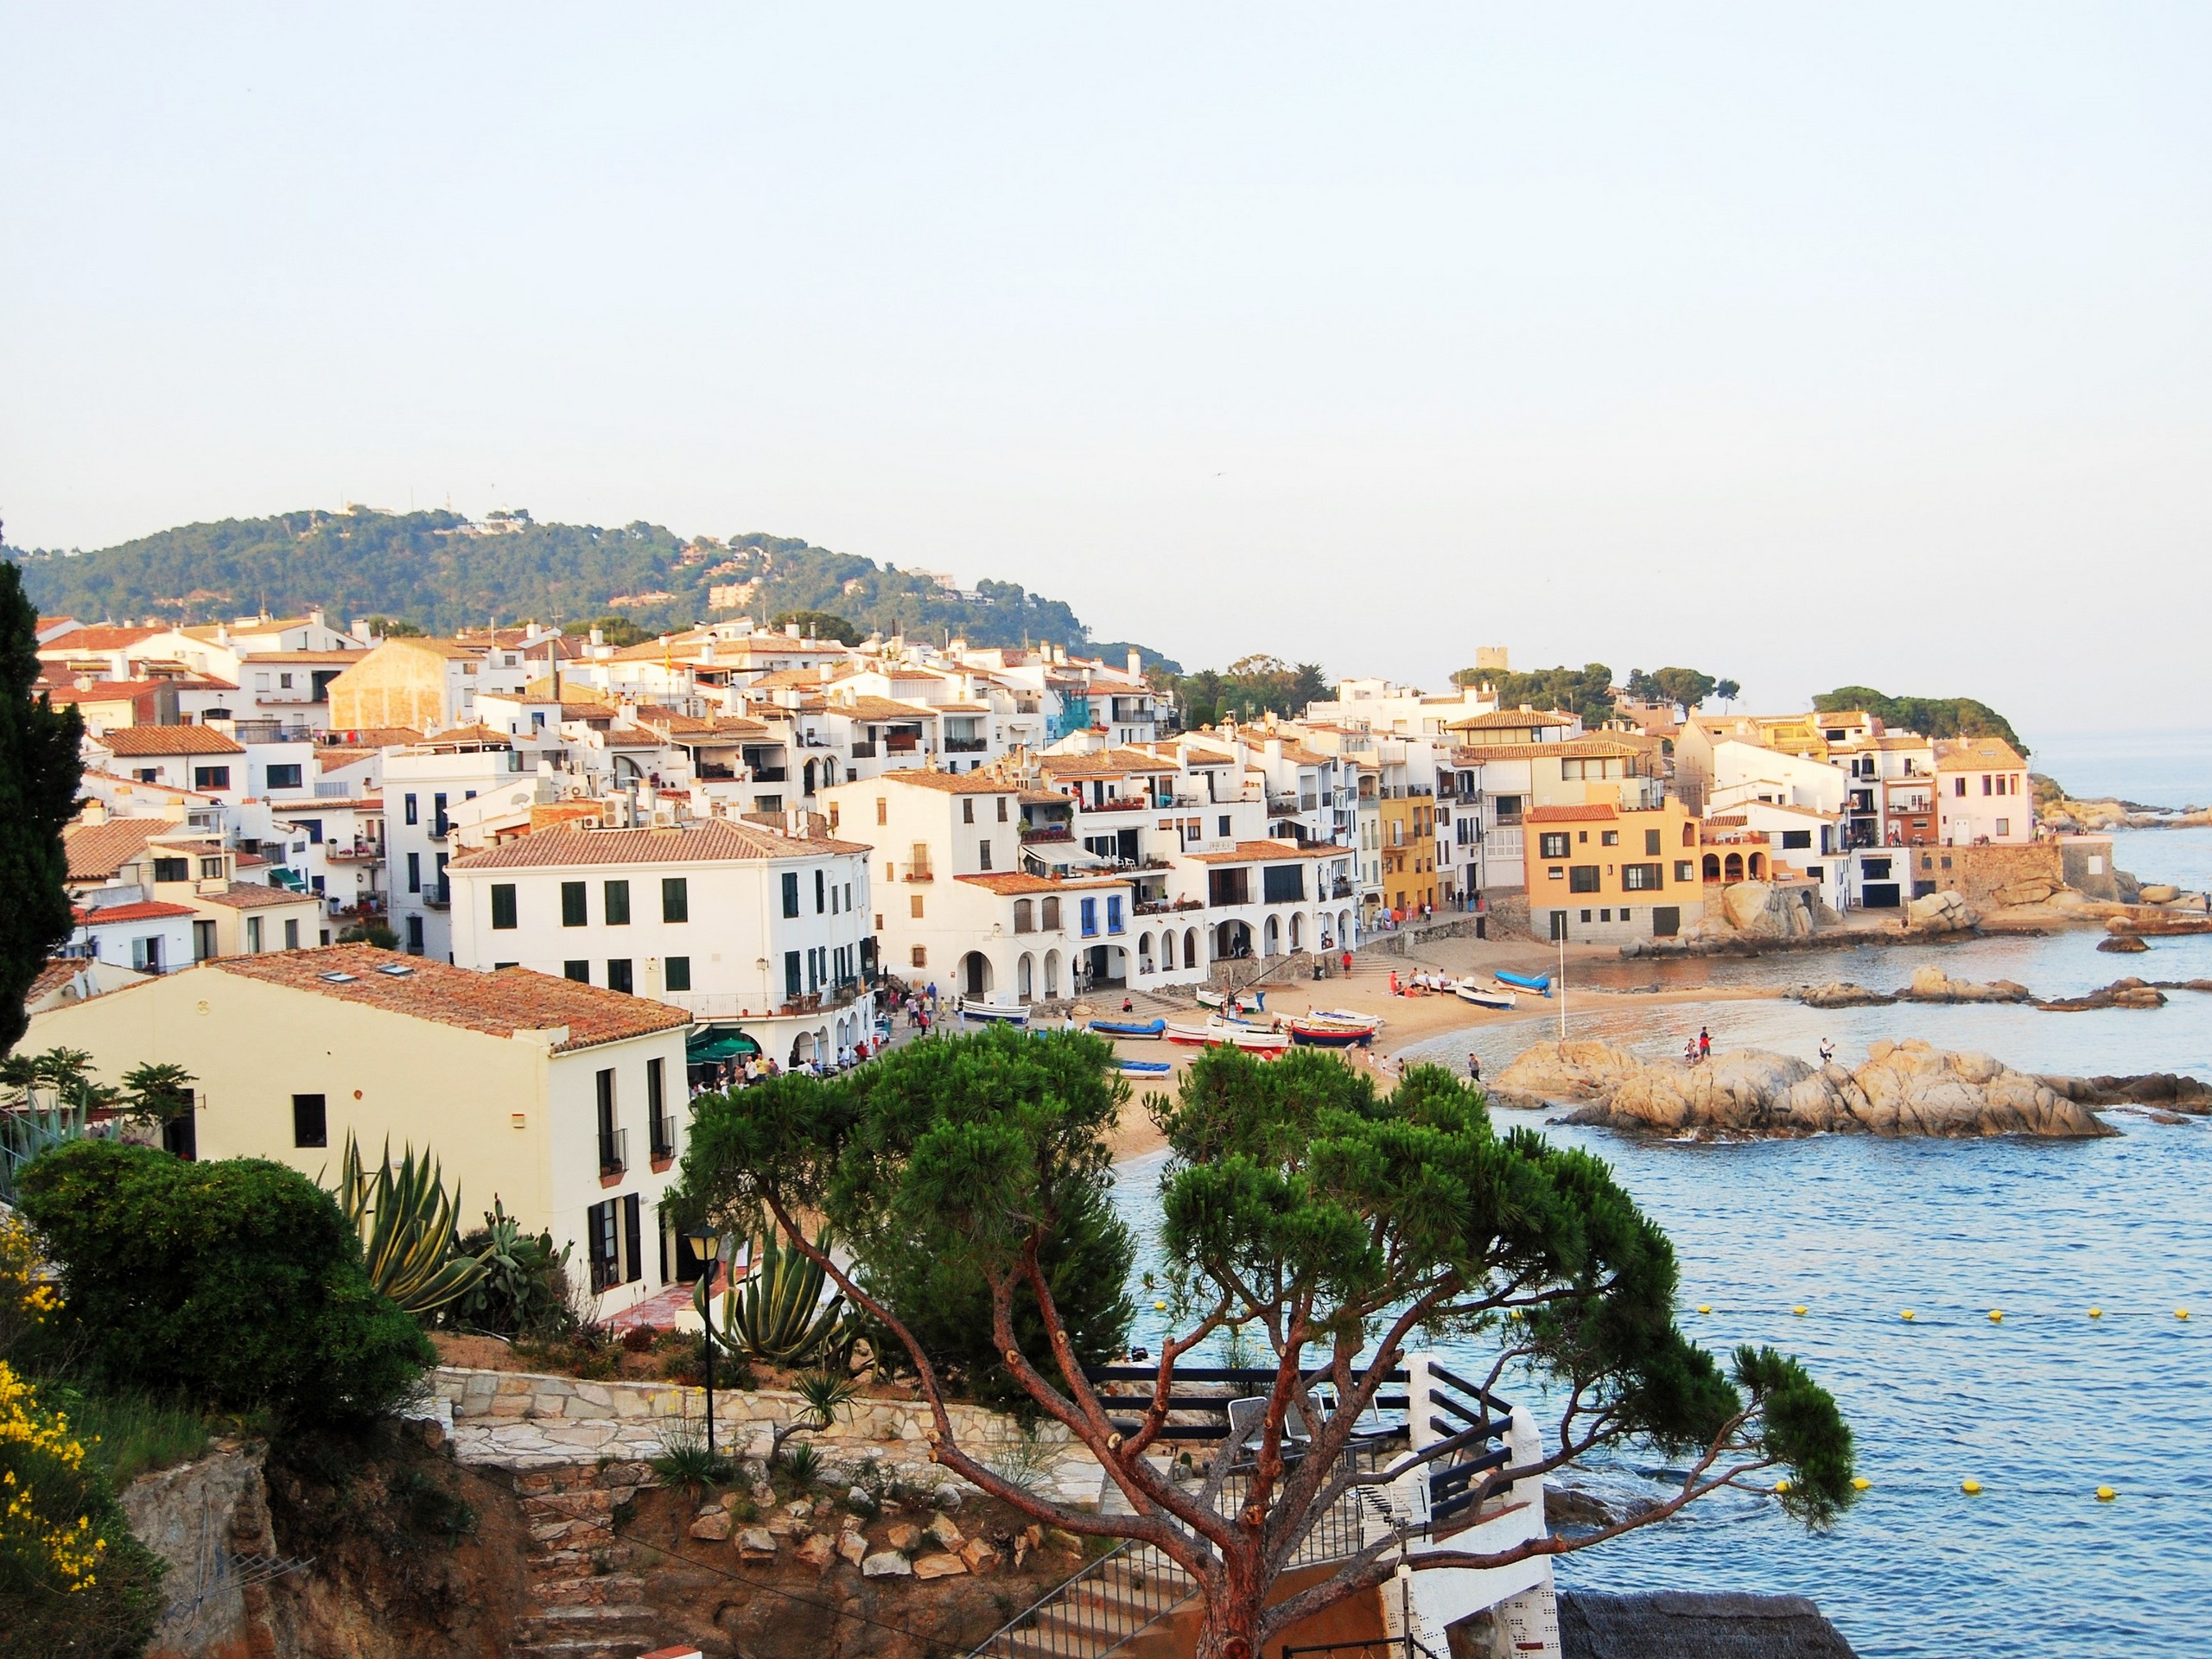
[613,1151]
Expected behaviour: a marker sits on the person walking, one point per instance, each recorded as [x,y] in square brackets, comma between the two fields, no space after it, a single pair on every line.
[1704,1044]
[1347,962]
[1474,1068]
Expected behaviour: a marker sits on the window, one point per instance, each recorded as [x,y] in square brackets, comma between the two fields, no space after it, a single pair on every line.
[1002,809]
[1958,786]
[211,869]
[676,973]
[1985,783]
[611,1149]
[1553,846]
[502,904]
[1025,916]
[1048,915]
[821,890]
[411,811]
[915,905]
[967,808]
[253,933]
[1281,884]
[172,869]
[2004,826]
[1586,915]
[1582,878]
[310,1123]
[438,824]
[1651,843]
[921,957]
[1689,835]
[1685,869]
[292,928]
[414,936]
[1089,917]
[285,777]
[1223,831]
[619,977]
[1797,840]
[882,809]
[579,971]
[1642,877]
[791,973]
[617,900]
[984,855]
[660,1129]
[791,893]
[675,898]
[572,903]
[1610,838]
[1113,913]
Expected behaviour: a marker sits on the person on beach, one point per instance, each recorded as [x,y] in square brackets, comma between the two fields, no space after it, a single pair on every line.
[1474,1068]
[1689,1052]
[1827,1051]
[1347,962]
[1704,1044]
[1395,989]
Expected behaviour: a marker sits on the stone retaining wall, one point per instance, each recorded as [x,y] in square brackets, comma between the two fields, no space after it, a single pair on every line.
[477,1396]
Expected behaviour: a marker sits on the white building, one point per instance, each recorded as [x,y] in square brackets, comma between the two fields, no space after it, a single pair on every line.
[1982,794]
[423,783]
[738,925]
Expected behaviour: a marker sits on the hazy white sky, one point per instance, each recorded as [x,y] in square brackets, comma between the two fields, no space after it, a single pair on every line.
[1803,345]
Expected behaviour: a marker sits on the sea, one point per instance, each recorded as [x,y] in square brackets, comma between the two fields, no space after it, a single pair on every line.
[2040,1408]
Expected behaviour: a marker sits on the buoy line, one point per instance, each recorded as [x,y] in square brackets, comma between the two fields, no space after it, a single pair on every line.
[1952,1314]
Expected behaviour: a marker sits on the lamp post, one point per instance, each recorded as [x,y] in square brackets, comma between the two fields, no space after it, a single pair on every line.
[707,1245]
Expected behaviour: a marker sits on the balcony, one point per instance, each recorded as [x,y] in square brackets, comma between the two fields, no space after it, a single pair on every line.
[769,774]
[1340,888]
[613,1151]
[437,896]
[662,1138]
[918,873]
[965,745]
[361,852]
[1048,832]
[862,751]
[1120,804]
[902,742]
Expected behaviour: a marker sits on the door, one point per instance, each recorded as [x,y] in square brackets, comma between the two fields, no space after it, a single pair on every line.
[1666,921]
[1879,895]
[1559,925]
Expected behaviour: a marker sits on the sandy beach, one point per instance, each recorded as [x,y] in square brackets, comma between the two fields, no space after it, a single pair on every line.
[1407,1020]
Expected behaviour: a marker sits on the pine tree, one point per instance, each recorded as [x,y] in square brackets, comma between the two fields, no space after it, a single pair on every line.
[39,771]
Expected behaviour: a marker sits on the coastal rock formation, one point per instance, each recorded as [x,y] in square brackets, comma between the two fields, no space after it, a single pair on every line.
[2028,890]
[2120,994]
[2156,920]
[1842,994]
[2122,944]
[1759,910]
[1941,913]
[1903,1089]
[1931,984]
[2159,1088]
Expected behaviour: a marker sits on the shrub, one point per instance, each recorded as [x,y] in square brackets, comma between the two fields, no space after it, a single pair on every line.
[685,1465]
[73,1579]
[238,1284]
[525,1290]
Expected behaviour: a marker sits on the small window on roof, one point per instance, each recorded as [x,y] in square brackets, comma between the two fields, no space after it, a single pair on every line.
[397,969]
[339,979]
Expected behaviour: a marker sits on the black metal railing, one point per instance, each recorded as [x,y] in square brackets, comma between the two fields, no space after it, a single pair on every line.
[613,1151]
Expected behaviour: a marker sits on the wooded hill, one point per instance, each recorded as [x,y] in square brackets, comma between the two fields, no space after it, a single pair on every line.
[438,570]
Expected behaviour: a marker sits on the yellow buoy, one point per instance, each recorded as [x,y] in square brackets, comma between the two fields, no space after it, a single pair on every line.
[2096,1312]
[2181,1313]
[2105,1494]
[1906,1314]
[1970,1487]
[1705,1307]
[1799,1310]
[1859,1483]
[1997,1316]
[1159,1307]
[1781,1485]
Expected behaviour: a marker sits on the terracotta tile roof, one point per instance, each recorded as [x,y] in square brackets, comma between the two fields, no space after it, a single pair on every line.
[147,910]
[1105,763]
[155,788]
[369,737]
[1574,748]
[499,1003]
[953,782]
[706,841]
[1590,814]
[1247,852]
[1507,720]
[166,739]
[251,895]
[796,679]
[1976,754]
[51,978]
[1015,883]
[251,624]
[96,851]
[304,658]
[476,732]
[1300,756]
[102,639]
[449,649]
[880,709]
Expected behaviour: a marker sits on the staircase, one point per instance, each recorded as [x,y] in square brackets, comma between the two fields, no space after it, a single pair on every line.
[584,1602]
[1103,1609]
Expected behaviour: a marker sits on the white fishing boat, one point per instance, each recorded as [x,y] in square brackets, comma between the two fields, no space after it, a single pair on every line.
[1483,996]
[977,1010]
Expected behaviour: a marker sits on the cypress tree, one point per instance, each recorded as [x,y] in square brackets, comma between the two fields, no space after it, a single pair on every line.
[39,771]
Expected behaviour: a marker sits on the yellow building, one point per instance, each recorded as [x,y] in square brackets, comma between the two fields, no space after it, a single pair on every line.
[566,1102]
[1604,872]
[424,684]
[1407,823]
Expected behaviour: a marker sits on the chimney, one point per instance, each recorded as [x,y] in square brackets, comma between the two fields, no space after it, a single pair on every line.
[707,651]
[597,638]
[94,811]
[790,630]
[359,627]
[316,616]
[1136,663]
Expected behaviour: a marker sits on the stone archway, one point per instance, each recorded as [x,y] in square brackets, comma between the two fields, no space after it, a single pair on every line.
[1025,978]
[1732,869]
[1712,867]
[975,974]
[1052,976]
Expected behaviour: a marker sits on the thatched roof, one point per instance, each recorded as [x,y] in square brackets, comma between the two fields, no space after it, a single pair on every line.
[1676,1624]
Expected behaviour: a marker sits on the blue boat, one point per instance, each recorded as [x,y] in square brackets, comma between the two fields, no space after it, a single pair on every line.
[1129,1027]
[1540,983]
[1148,1068]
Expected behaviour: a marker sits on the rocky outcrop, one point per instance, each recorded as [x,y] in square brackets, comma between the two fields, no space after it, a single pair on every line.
[1931,984]
[1941,913]
[1903,1089]
[2122,944]
[1842,994]
[2163,1089]
[2147,921]
[2028,890]
[2120,994]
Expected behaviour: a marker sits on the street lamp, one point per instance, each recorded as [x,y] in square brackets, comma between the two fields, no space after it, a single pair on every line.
[707,1245]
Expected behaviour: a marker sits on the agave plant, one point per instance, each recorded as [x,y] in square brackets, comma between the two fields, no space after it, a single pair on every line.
[778,1314]
[406,1225]
[820,1393]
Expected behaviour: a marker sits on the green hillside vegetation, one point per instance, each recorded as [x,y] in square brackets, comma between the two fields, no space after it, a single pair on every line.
[1248,687]
[437,571]
[1930,716]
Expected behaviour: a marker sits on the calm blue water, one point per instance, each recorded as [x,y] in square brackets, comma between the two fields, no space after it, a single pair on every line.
[2041,1409]
[2157,768]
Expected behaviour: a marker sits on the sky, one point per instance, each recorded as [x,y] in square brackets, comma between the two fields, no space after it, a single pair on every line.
[1806,346]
